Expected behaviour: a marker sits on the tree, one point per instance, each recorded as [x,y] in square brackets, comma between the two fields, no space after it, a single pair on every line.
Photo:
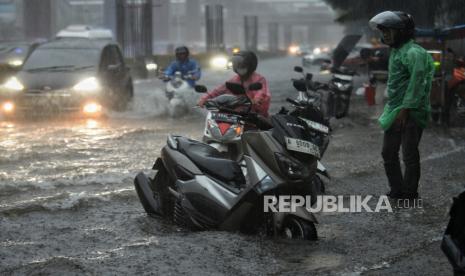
[427,13]
[424,12]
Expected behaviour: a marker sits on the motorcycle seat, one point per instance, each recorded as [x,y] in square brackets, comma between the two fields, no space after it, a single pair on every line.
[211,161]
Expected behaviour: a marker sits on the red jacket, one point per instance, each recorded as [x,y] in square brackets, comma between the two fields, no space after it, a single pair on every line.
[261,98]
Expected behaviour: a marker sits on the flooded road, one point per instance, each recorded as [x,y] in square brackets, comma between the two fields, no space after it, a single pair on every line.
[68,205]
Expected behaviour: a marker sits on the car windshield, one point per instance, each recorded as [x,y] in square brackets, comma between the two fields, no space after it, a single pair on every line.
[55,58]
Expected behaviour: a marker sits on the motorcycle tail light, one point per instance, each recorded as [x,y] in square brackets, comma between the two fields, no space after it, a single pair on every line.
[223,127]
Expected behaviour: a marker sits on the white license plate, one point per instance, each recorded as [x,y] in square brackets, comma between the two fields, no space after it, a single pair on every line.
[302,146]
[316,126]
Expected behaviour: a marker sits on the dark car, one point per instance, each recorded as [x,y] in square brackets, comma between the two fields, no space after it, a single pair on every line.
[69,74]
[12,56]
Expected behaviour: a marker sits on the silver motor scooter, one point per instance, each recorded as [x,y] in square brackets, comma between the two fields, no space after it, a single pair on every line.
[200,189]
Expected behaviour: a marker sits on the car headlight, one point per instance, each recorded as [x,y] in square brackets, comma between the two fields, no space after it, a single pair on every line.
[151,66]
[92,108]
[13,84]
[15,62]
[219,62]
[87,85]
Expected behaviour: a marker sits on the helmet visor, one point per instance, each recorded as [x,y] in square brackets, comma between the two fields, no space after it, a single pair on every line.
[387,19]
[238,62]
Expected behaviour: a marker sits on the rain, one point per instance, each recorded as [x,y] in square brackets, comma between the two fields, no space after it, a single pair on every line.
[86,104]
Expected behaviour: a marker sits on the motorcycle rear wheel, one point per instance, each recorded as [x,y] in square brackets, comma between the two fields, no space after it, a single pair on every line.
[299,229]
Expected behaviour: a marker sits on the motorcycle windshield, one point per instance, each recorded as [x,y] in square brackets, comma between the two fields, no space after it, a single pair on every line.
[230,101]
[287,126]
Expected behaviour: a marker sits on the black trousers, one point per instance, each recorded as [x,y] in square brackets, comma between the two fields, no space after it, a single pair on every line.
[407,136]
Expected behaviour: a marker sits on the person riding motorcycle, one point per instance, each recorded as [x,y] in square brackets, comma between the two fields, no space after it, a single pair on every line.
[407,110]
[188,67]
[244,65]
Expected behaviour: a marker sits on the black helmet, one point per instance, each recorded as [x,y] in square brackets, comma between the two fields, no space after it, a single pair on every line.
[396,20]
[181,50]
[244,63]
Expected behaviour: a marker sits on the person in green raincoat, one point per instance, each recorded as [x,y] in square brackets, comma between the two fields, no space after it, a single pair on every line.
[407,110]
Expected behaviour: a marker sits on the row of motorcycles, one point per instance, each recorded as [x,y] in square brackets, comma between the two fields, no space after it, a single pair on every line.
[222,181]
[332,98]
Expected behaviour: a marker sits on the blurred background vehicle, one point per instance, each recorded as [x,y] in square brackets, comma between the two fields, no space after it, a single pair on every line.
[316,59]
[12,56]
[69,74]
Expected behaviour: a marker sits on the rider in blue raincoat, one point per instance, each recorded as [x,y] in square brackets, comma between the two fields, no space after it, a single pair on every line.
[189,68]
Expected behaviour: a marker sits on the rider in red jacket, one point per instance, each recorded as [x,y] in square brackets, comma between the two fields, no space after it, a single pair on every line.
[244,65]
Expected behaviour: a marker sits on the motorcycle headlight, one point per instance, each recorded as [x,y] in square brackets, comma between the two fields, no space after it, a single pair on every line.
[290,167]
[151,66]
[87,85]
[219,62]
[13,84]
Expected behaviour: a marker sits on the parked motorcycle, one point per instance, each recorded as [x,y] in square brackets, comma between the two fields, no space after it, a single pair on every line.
[305,109]
[316,94]
[453,241]
[341,86]
[200,189]
[179,93]
[455,96]
[332,98]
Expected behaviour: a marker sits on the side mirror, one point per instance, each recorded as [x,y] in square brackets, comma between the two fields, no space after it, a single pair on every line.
[298,69]
[200,89]
[255,86]
[309,76]
[300,85]
[236,88]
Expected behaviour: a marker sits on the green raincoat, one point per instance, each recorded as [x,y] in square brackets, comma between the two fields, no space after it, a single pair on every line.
[411,71]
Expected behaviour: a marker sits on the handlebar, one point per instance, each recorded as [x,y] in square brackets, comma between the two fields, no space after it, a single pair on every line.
[294,102]
[168,78]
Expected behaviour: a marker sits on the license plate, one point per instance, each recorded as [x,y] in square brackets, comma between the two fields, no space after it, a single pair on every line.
[37,101]
[302,146]
[47,100]
[223,117]
[316,126]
